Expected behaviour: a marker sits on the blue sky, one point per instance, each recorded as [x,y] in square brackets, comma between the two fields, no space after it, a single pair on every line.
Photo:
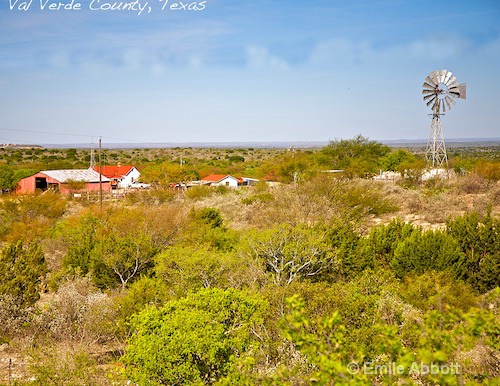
[245,70]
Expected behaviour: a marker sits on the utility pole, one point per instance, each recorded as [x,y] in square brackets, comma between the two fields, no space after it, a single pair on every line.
[100,175]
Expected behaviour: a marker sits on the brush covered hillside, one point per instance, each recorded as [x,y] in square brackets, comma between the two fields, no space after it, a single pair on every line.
[316,278]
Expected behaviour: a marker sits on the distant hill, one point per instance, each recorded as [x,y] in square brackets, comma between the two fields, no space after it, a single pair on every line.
[17,146]
[451,142]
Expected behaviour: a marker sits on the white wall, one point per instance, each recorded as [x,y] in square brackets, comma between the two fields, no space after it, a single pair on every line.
[132,176]
[228,181]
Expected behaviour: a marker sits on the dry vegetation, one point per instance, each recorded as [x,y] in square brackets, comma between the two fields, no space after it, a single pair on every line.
[96,268]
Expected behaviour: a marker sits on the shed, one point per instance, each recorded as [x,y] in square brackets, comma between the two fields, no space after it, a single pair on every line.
[62,180]
[247,181]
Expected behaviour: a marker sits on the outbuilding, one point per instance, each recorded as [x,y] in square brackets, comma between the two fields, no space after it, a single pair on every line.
[67,181]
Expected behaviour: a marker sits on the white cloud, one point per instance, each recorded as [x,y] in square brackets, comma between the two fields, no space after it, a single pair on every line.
[348,52]
[260,57]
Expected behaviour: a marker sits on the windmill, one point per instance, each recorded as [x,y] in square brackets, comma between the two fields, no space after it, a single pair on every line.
[439,89]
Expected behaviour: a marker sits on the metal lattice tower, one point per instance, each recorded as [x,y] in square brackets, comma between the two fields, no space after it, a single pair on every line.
[436,149]
[439,89]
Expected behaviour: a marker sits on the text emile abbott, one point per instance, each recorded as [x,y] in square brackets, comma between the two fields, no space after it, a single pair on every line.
[137,6]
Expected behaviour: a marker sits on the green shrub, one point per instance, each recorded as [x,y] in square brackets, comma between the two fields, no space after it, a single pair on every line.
[22,269]
[357,157]
[479,240]
[353,198]
[433,338]
[429,250]
[192,341]
[199,192]
[206,227]
[80,236]
[383,240]
[145,291]
[437,290]
[7,179]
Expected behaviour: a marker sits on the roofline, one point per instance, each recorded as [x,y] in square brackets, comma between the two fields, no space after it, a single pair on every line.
[223,178]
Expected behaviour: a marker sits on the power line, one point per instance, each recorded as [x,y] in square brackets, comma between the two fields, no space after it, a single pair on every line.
[126,139]
[73,135]
[44,132]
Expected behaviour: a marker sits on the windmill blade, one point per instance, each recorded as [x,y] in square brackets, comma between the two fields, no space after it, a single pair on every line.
[455,93]
[455,90]
[428,91]
[435,77]
[452,85]
[447,100]
[432,100]
[447,77]
[451,80]
[443,105]
[429,85]
[432,75]
[429,96]
[442,75]
[429,81]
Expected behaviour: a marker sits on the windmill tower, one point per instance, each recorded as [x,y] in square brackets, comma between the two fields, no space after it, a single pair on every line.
[439,89]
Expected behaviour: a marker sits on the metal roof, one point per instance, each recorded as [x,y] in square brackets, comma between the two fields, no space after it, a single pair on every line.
[87,175]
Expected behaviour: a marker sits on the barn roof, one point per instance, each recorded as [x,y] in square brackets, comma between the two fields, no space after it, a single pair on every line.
[87,175]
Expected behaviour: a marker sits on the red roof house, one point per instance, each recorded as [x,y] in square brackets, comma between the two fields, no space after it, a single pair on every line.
[120,175]
[220,180]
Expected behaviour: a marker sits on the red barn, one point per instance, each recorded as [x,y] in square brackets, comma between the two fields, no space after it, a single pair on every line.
[64,181]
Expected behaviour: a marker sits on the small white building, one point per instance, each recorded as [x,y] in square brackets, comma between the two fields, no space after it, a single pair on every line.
[121,176]
[220,180]
[247,181]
